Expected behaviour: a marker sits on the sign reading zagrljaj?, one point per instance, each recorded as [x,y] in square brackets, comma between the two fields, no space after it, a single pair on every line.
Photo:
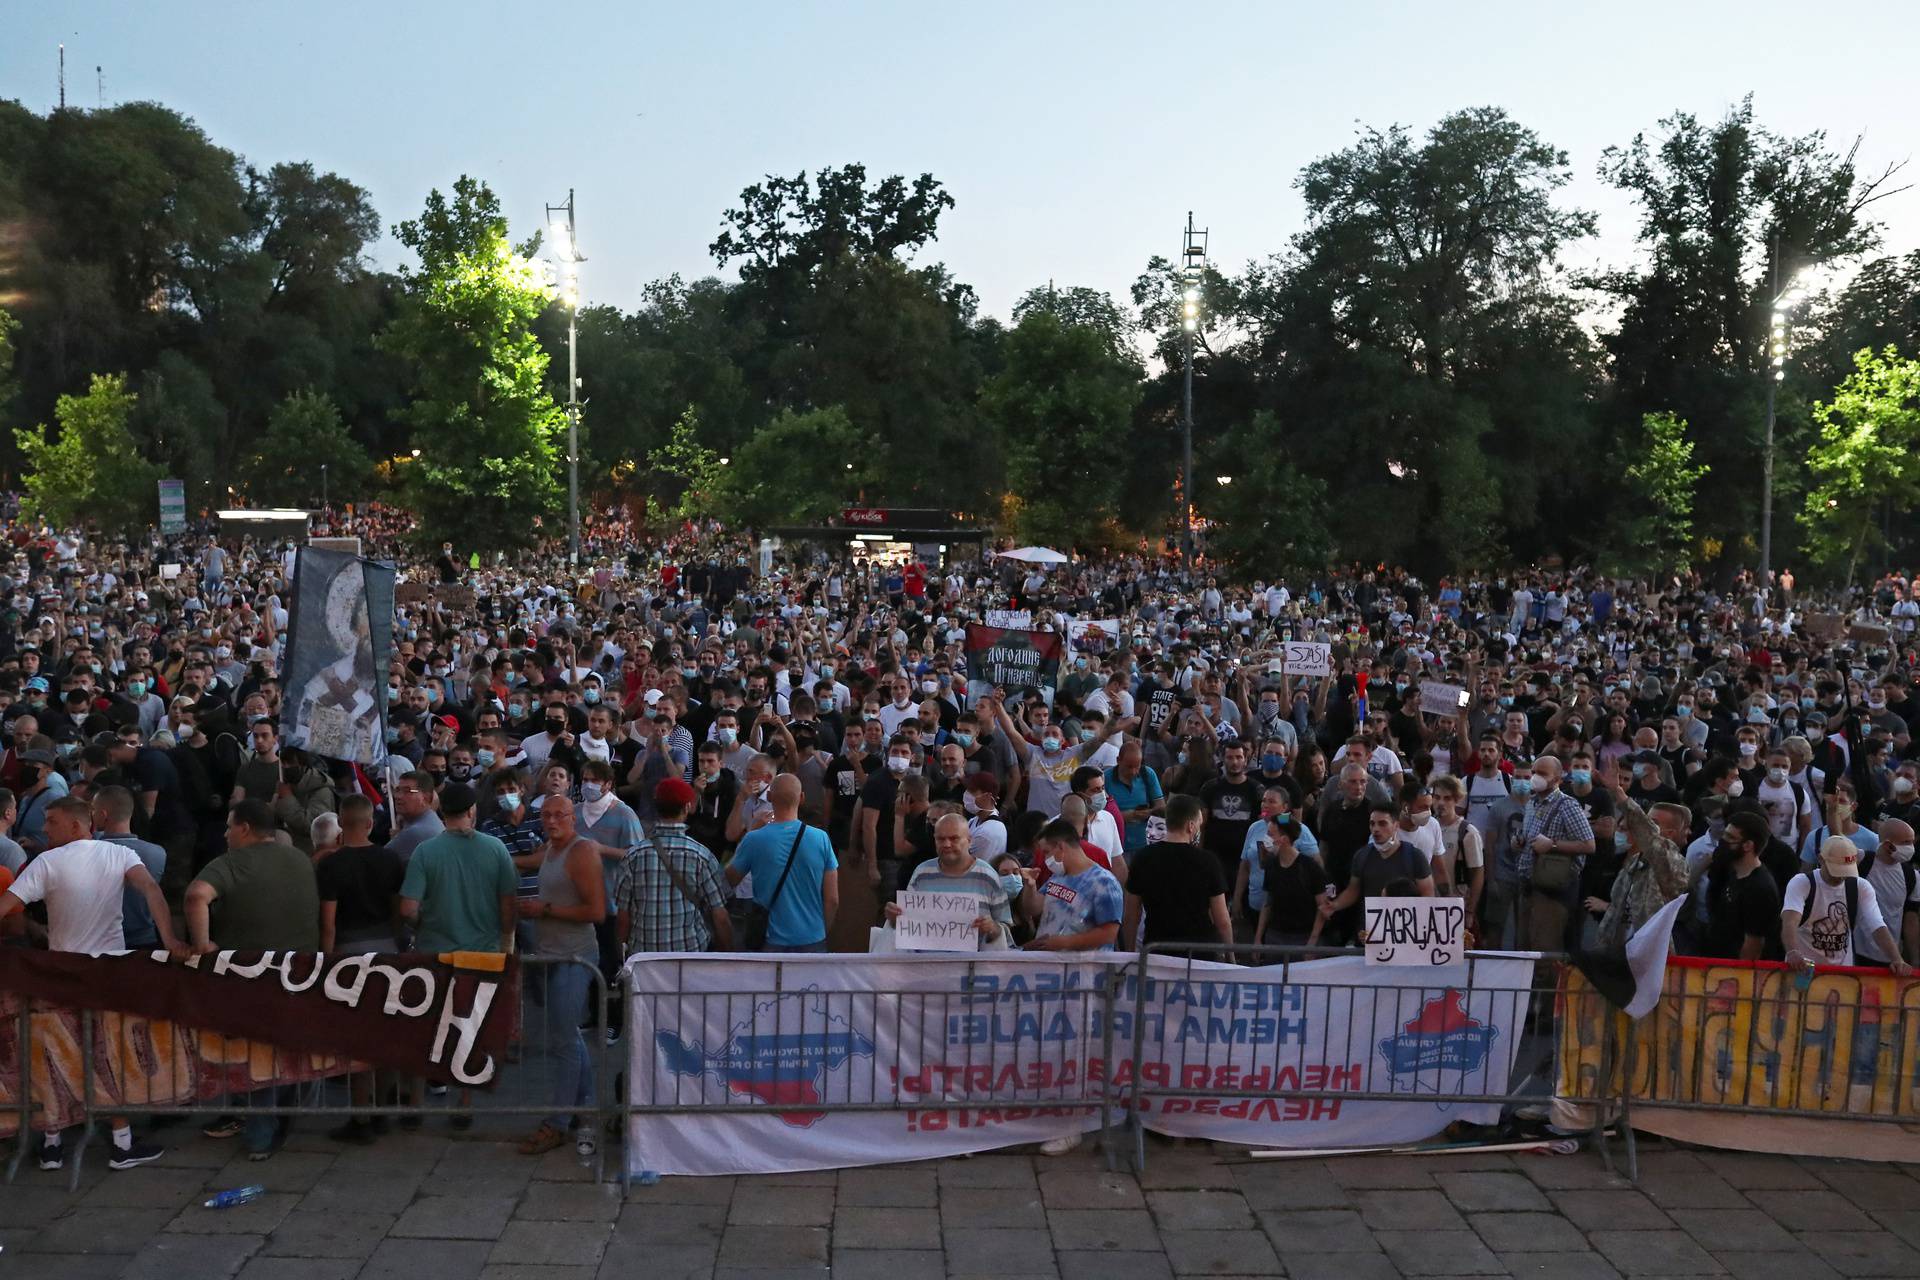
[1010,660]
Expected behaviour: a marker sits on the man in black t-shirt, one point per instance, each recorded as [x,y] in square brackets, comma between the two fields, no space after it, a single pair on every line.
[1743,899]
[1232,802]
[1178,884]
[359,886]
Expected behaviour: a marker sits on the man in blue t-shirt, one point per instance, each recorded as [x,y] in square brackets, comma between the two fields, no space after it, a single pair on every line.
[799,918]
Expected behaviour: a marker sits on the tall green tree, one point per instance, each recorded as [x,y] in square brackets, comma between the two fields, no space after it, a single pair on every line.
[688,481]
[1269,518]
[90,470]
[1727,207]
[480,415]
[1061,408]
[304,434]
[1868,456]
[1666,477]
[800,468]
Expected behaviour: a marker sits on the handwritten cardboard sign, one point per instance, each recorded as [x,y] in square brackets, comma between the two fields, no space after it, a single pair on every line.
[1305,658]
[936,921]
[1425,932]
[1437,699]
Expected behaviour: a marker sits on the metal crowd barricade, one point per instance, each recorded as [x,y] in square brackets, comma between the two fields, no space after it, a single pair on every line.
[1758,1039]
[1290,1076]
[754,1022]
[206,1073]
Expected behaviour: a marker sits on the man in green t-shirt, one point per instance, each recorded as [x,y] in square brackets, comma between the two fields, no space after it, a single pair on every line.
[259,895]
[460,884]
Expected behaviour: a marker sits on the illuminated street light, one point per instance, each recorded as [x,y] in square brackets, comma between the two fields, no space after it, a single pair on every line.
[566,250]
[1223,480]
[1193,269]
[1784,302]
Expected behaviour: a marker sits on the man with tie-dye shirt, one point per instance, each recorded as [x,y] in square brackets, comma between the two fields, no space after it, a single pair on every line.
[1082,899]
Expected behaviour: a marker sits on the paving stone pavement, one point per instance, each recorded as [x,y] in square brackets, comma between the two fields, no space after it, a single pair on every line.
[439,1206]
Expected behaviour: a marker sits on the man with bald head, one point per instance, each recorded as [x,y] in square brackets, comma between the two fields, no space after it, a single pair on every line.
[793,873]
[1555,836]
[955,870]
[1890,870]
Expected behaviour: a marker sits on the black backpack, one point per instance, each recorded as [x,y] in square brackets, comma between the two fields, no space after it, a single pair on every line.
[1907,868]
[1852,887]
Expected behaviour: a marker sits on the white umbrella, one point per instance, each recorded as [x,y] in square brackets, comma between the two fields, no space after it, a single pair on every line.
[1033,555]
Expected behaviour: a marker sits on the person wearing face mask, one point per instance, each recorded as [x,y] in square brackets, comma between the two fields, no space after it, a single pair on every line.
[1383,860]
[877,799]
[1742,898]
[556,737]
[1555,835]
[1842,809]
[1787,804]
[1896,888]
[517,827]
[1903,795]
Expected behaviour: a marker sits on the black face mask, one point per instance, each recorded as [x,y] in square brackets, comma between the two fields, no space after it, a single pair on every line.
[556,727]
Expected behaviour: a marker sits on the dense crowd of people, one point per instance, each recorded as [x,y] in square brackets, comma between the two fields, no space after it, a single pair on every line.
[690,744]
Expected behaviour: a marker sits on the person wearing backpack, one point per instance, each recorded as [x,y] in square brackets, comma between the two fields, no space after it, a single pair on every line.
[796,878]
[1890,870]
[1824,908]
[669,894]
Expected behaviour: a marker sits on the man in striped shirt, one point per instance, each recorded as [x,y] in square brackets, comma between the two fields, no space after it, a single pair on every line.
[669,893]
[956,870]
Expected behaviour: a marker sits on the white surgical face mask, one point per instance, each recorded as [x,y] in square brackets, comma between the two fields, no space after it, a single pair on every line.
[1903,852]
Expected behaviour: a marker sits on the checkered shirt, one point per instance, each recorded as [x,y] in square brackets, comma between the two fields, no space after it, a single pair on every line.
[659,917]
[1557,817]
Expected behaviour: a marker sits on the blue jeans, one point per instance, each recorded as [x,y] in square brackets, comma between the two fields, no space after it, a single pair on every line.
[803,948]
[560,994]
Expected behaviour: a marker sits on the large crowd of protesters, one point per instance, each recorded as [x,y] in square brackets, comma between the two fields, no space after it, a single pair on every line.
[616,756]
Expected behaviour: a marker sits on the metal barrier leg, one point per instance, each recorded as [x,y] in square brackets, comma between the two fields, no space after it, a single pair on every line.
[600,1081]
[1137,1117]
[87,1100]
[1626,1105]
[24,1057]
[1600,1100]
[1106,1055]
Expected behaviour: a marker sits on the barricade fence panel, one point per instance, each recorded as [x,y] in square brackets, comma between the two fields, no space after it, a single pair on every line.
[82,1065]
[1755,1040]
[747,1063]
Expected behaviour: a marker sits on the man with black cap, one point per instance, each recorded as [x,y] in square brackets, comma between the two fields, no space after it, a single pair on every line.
[459,887]
[669,894]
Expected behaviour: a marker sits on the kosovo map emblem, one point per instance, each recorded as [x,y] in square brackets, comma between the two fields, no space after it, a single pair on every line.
[781,1054]
[1441,1038]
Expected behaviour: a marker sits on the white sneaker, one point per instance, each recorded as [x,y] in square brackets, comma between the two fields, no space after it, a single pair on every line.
[1060,1146]
[583,1145]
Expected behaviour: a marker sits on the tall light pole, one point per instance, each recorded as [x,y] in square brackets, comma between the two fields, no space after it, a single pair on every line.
[566,251]
[1193,268]
[1784,301]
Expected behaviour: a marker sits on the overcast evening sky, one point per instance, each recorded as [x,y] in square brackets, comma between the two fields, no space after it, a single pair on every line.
[1074,137]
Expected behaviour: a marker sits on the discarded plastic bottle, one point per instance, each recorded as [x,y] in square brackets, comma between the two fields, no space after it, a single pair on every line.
[644,1178]
[239,1195]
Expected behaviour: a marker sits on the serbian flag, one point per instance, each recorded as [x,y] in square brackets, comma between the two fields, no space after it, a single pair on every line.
[1360,697]
[1634,978]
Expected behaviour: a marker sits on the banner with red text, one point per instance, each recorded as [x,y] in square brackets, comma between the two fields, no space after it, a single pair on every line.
[757,1064]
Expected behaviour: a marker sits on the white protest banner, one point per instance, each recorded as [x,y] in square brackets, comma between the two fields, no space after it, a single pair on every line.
[1015,619]
[936,921]
[770,1064]
[1437,699]
[169,571]
[1426,932]
[1305,658]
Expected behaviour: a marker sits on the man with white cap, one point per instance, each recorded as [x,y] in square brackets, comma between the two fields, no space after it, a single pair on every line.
[1824,908]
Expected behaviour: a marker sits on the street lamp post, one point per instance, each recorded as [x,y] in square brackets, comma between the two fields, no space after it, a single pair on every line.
[324,504]
[566,250]
[1193,265]
[1784,301]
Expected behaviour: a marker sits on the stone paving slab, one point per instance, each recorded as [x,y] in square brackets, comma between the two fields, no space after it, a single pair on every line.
[471,1208]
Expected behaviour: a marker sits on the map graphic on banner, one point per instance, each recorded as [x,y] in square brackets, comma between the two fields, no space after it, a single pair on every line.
[904,1057]
[336,683]
[1011,660]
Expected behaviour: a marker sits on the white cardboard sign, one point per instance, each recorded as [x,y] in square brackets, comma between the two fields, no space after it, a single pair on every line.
[1305,658]
[936,922]
[1425,932]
